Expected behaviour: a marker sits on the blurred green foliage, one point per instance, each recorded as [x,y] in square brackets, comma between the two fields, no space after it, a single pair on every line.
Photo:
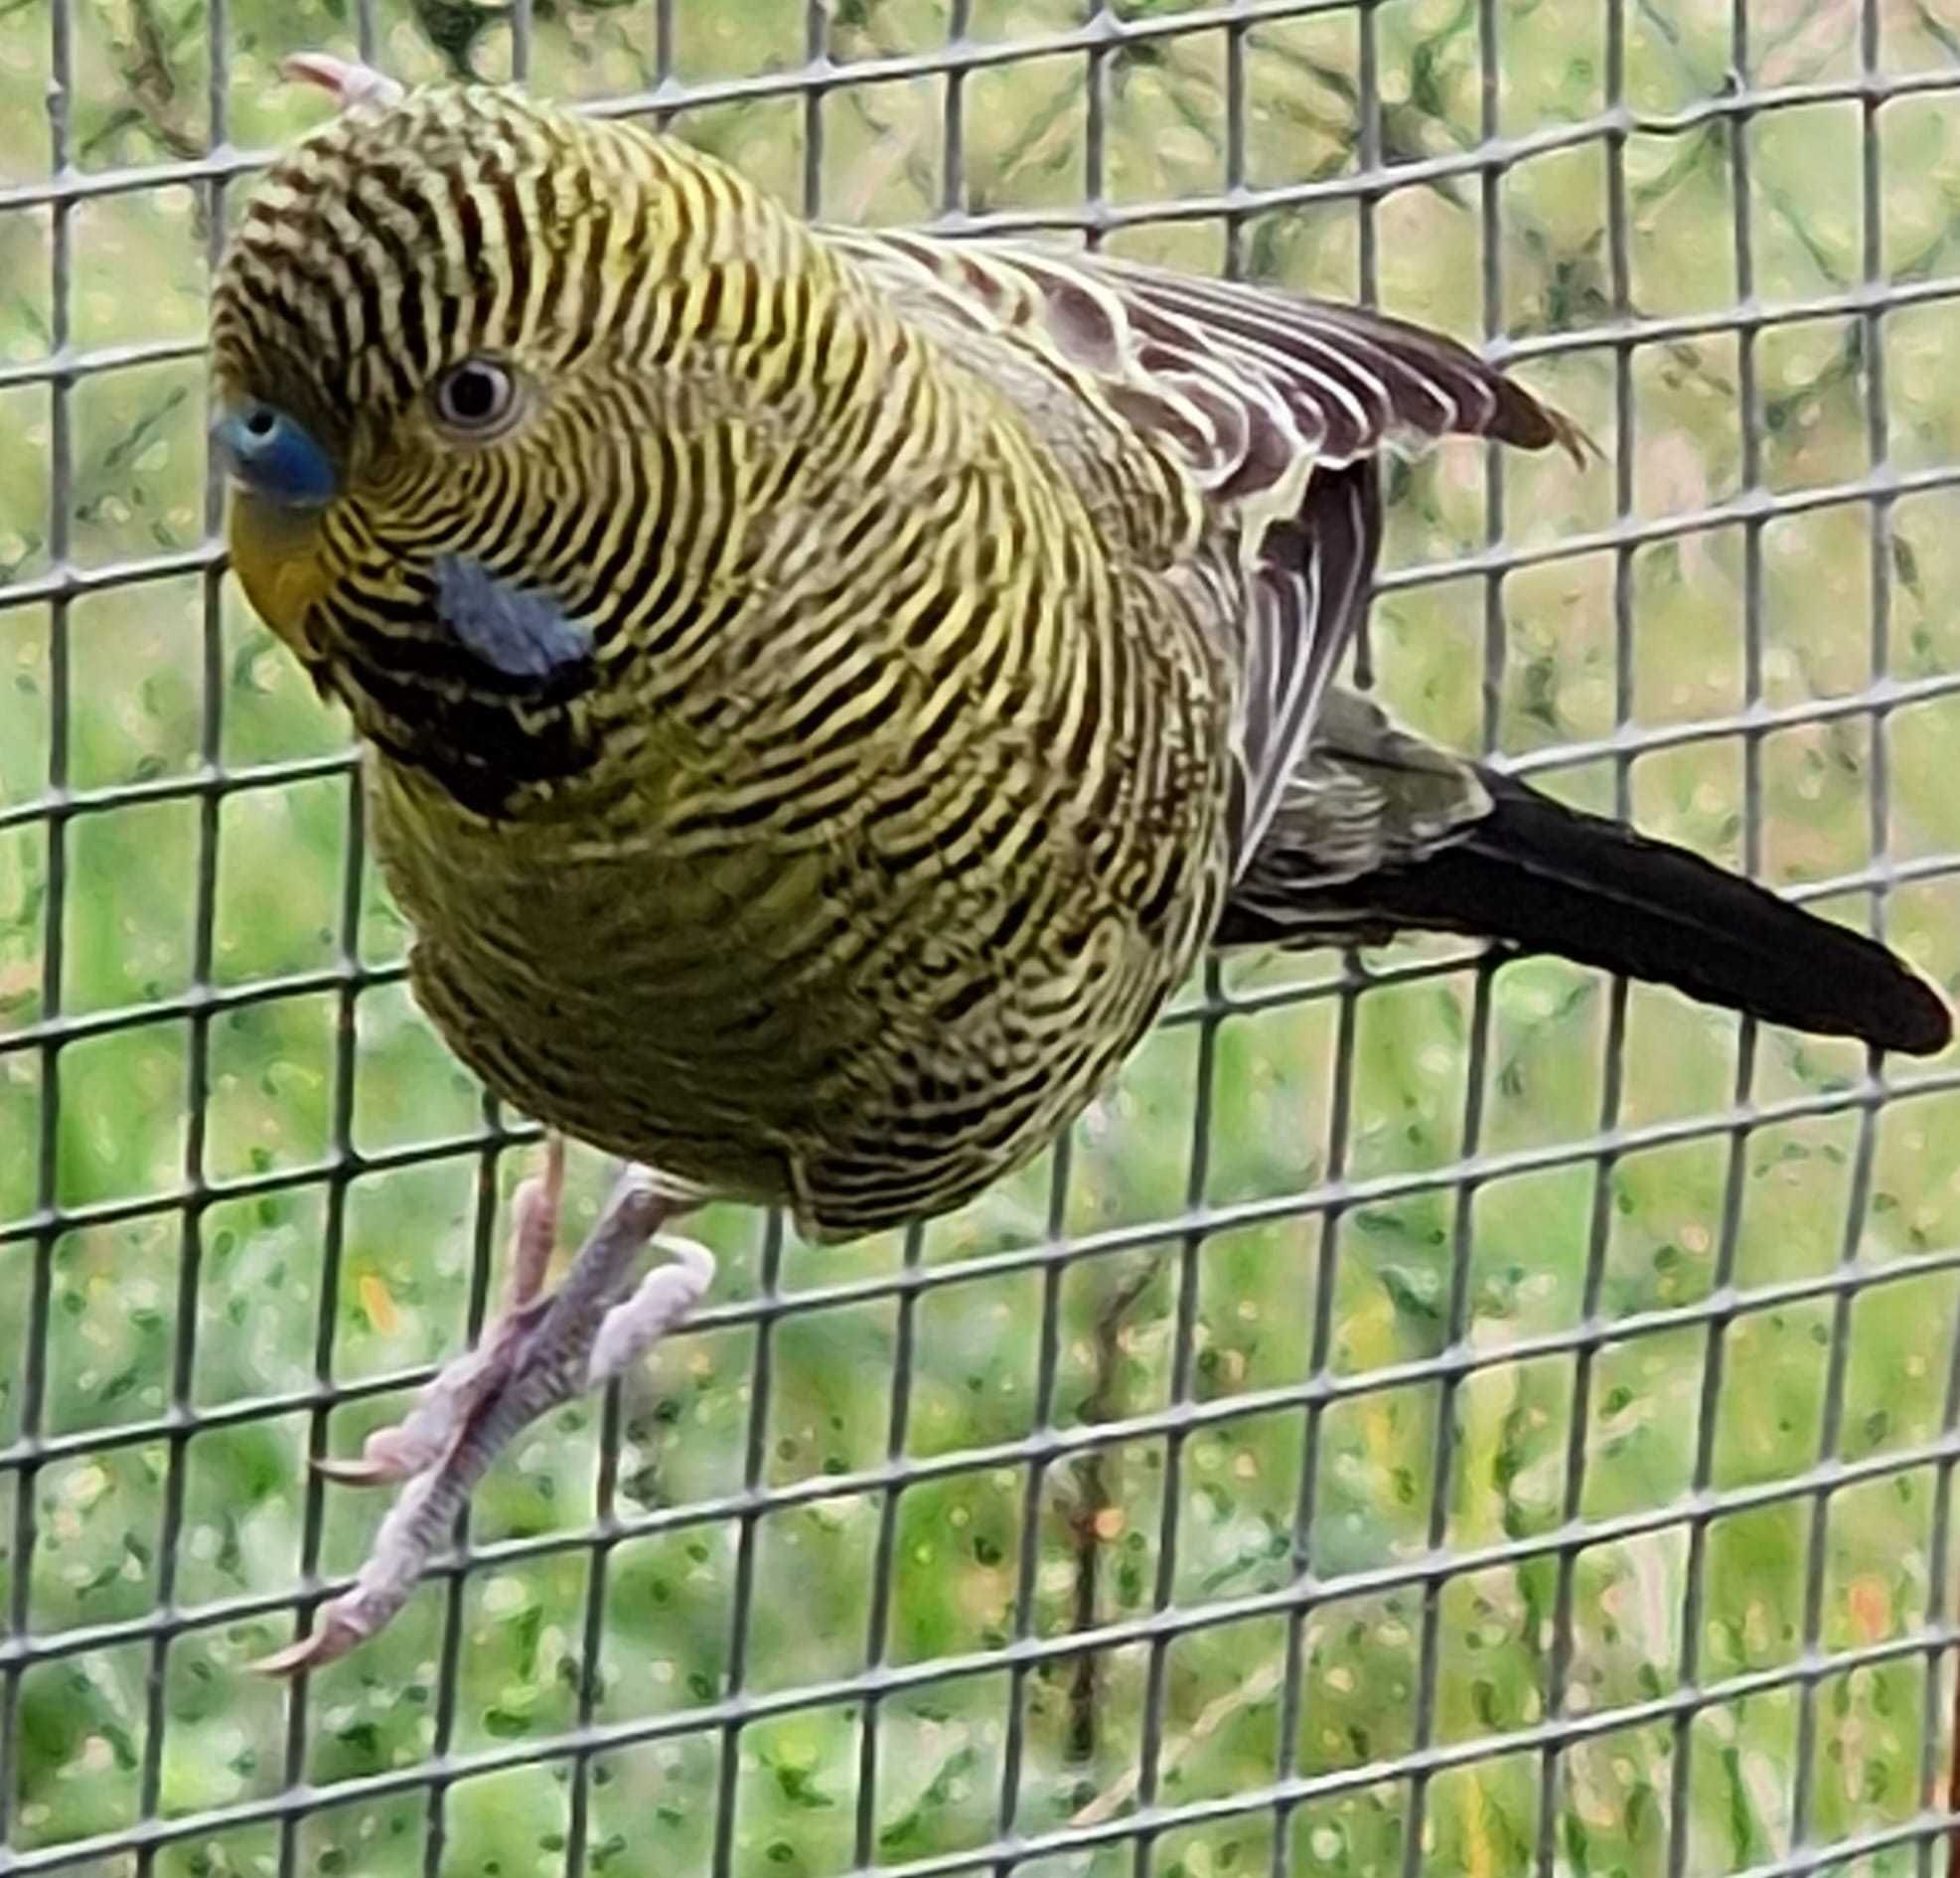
[147,688]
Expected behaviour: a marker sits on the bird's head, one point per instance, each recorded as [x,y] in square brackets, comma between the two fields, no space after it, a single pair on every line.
[435,337]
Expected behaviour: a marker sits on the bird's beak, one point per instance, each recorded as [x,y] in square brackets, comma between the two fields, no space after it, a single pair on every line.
[281,481]
[273,455]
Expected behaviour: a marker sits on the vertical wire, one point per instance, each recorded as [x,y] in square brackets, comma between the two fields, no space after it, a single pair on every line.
[611,1420]
[1368,80]
[1443,1437]
[455,1586]
[1233,262]
[592,1648]
[953,122]
[520,40]
[1368,83]
[1095,128]
[742,1604]
[1048,1373]
[817,59]
[1830,1431]
[1048,1368]
[1231,255]
[1714,1349]
[1829,1438]
[1048,1359]
[1305,1586]
[1600,1226]
[1932,1708]
[1936,1717]
[342,1167]
[61,479]
[1197,1180]
[183,1381]
[1293,1715]
[1464,1226]
[663,55]
[343,1164]
[1094,194]
[1878,432]
[1878,450]
[1183,1346]
[884,1557]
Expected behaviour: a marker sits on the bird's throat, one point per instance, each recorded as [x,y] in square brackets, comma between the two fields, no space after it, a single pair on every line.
[275,552]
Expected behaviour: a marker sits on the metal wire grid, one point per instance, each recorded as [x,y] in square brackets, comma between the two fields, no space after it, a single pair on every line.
[1139,1828]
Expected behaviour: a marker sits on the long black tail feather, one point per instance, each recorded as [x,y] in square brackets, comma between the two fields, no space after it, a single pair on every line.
[1543,877]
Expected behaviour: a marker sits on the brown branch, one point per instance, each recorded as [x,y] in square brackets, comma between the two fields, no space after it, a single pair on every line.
[151,81]
[1091,1509]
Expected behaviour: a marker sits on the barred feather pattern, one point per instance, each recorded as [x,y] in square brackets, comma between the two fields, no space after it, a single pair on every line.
[959,613]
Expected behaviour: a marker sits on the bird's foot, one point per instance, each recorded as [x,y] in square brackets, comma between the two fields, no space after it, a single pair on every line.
[417,1442]
[543,1351]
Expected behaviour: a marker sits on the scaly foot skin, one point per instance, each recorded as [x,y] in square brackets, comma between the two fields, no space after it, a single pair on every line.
[418,1443]
[541,1352]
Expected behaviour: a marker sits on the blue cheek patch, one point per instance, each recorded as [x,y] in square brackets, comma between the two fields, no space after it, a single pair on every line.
[521,636]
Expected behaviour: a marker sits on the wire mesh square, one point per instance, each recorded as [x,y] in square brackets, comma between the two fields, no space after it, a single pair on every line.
[1429,1416]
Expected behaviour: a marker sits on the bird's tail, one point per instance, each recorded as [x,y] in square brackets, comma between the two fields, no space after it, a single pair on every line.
[1548,878]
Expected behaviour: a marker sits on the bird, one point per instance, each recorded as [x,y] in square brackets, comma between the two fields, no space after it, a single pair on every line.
[821,691]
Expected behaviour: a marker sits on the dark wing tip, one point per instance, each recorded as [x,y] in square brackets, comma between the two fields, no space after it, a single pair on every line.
[1522,420]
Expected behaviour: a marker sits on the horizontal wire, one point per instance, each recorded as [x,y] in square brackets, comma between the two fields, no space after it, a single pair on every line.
[1454,1362]
[208,780]
[615,1737]
[1104,31]
[1867,1092]
[1751,509]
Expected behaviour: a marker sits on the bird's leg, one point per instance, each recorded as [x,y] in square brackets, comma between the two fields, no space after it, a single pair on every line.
[544,1351]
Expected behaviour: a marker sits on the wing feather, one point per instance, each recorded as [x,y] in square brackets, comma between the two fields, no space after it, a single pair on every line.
[1275,407]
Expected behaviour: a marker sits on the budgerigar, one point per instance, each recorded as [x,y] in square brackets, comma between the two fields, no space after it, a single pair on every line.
[821,690]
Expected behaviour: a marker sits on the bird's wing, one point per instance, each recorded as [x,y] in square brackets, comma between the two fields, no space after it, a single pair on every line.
[1274,407]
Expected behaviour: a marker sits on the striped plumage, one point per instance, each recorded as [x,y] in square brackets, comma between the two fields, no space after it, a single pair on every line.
[946,626]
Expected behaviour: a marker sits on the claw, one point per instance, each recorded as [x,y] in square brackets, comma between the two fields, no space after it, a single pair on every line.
[415,1444]
[332,1636]
[351,83]
[368,1470]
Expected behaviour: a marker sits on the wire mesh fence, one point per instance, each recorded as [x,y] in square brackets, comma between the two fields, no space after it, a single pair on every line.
[1434,1415]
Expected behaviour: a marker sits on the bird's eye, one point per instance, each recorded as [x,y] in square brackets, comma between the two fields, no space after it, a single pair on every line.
[476,397]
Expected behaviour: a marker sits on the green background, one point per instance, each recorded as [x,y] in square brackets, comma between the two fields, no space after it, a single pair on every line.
[158,1317]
